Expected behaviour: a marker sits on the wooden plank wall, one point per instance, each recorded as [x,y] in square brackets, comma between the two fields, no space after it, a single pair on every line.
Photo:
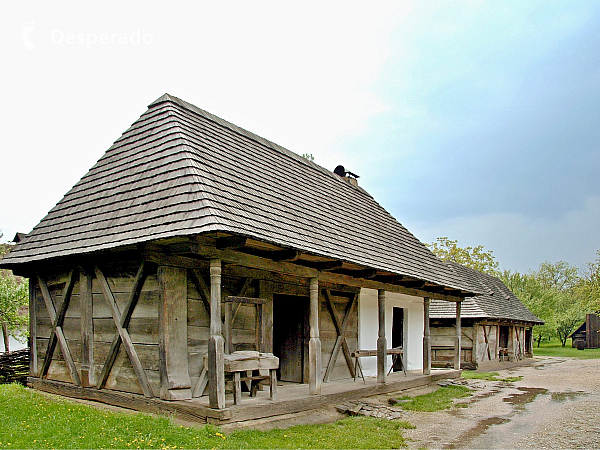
[143,327]
[329,335]
[442,343]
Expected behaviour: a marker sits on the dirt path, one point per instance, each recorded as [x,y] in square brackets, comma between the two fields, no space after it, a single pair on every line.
[555,405]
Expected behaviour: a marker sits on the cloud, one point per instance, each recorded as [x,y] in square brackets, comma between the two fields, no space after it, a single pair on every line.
[520,242]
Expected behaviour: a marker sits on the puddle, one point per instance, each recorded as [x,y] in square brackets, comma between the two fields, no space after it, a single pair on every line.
[527,395]
[564,396]
[477,431]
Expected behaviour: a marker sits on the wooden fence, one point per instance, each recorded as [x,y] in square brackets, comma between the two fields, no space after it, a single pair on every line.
[14,366]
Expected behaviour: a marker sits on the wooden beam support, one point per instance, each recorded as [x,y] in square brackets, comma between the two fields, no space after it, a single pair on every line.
[87,327]
[337,278]
[113,352]
[124,334]
[33,357]
[57,322]
[365,273]
[231,242]
[340,341]
[426,338]
[265,290]
[216,344]
[201,287]
[257,262]
[457,339]
[287,255]
[326,265]
[381,340]
[314,344]
[175,383]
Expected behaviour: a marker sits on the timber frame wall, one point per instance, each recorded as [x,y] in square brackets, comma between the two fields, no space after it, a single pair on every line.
[480,340]
[142,321]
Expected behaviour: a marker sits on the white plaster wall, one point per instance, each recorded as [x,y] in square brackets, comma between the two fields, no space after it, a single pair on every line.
[368,327]
[13,344]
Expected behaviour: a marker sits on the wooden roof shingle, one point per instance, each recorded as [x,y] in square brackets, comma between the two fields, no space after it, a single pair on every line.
[179,171]
[496,302]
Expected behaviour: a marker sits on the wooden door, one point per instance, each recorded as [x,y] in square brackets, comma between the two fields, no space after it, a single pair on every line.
[290,336]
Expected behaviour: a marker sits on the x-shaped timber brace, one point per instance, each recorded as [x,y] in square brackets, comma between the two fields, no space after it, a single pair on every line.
[204,292]
[340,330]
[487,342]
[121,321]
[57,321]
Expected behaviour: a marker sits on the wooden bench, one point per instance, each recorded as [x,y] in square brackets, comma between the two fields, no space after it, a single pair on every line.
[396,353]
[250,363]
[502,353]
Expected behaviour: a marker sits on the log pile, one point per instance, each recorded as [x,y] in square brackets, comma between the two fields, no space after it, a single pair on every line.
[14,366]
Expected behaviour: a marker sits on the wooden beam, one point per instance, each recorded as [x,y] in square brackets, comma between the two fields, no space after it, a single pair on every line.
[175,383]
[33,357]
[138,284]
[87,327]
[365,273]
[257,262]
[231,242]
[457,339]
[250,300]
[216,344]
[57,321]
[337,278]
[201,287]
[326,265]
[426,338]
[416,284]
[314,343]
[123,333]
[381,340]
[340,330]
[287,255]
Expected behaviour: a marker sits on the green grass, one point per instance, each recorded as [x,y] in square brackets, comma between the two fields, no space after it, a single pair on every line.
[553,348]
[442,398]
[489,376]
[32,420]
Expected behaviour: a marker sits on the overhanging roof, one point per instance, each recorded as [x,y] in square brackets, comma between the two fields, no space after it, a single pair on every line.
[180,171]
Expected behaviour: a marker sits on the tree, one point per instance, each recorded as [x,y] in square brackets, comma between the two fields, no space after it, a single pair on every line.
[14,299]
[477,258]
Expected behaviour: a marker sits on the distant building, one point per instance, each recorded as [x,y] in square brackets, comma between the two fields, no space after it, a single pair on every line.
[495,325]
[588,334]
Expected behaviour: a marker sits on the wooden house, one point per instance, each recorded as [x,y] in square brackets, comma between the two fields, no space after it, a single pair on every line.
[192,240]
[495,325]
[588,334]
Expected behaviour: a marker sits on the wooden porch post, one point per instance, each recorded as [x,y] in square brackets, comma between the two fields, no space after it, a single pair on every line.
[426,338]
[314,344]
[175,383]
[381,341]
[216,344]
[457,339]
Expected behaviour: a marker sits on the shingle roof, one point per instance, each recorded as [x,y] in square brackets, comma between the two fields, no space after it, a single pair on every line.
[497,302]
[179,170]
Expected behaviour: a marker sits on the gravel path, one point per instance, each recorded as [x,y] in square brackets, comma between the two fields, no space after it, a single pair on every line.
[555,405]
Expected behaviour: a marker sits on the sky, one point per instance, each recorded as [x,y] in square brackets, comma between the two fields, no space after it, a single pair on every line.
[475,120]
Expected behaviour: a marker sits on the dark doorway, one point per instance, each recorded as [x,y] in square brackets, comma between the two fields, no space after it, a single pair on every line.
[398,333]
[503,337]
[528,349]
[291,336]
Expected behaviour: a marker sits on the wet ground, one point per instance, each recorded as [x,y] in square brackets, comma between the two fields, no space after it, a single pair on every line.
[555,405]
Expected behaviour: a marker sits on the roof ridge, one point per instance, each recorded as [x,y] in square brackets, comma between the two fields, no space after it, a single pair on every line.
[248,134]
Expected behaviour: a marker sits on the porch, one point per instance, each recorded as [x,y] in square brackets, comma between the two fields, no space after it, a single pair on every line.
[291,397]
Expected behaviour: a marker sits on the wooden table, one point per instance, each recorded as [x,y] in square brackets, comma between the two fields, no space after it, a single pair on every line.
[246,366]
[396,353]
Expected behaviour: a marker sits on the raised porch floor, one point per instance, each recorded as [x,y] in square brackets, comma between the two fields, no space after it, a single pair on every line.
[291,398]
